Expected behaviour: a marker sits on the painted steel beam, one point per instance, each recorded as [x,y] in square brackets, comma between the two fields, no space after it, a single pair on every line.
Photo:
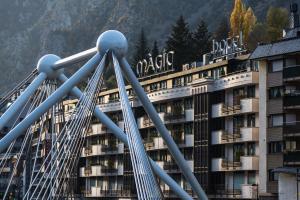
[21,100]
[50,101]
[173,148]
[74,58]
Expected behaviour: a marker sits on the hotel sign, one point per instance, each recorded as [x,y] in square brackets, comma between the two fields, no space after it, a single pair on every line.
[227,47]
[159,64]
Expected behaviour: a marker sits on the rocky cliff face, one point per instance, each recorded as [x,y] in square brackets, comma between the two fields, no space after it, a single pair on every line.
[32,28]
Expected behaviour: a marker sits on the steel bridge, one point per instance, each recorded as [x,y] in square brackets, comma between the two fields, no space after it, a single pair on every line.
[33,107]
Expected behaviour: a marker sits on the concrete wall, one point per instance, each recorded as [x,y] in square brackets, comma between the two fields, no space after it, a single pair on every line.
[263,175]
[287,186]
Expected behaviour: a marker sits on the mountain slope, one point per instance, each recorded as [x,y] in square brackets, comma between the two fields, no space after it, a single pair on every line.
[32,28]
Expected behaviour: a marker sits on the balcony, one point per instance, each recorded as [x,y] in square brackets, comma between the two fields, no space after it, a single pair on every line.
[247,105]
[291,73]
[158,143]
[291,157]
[99,192]
[172,167]
[291,128]
[173,93]
[291,101]
[237,79]
[245,134]
[145,121]
[100,170]
[101,149]
[98,129]
[249,191]
[175,117]
[245,163]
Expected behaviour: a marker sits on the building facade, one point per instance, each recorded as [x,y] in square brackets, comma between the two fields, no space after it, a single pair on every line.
[212,112]
[279,140]
[235,118]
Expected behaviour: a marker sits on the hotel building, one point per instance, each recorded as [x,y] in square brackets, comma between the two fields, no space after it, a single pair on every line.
[212,112]
[235,118]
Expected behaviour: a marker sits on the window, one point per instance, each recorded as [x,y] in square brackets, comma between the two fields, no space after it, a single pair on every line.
[177,82]
[238,122]
[275,120]
[275,92]
[163,84]
[273,176]
[251,91]
[163,107]
[188,79]
[251,177]
[290,145]
[251,149]
[290,119]
[188,103]
[251,120]
[275,147]
[276,65]
[238,94]
[238,151]
[101,100]
[188,128]
[203,74]
[153,87]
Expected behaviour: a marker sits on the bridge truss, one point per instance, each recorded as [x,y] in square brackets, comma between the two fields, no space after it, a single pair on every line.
[34,106]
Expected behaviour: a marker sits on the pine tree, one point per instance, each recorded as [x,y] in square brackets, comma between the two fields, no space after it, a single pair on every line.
[201,41]
[222,31]
[179,41]
[237,17]
[155,50]
[141,48]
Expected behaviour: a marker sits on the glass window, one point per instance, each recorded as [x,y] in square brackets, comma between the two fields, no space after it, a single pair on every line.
[251,178]
[251,91]
[275,92]
[251,149]
[276,65]
[273,176]
[290,145]
[188,103]
[163,84]
[238,180]
[251,120]
[290,119]
[275,147]
[177,82]
[238,151]
[275,120]
[163,107]
[188,128]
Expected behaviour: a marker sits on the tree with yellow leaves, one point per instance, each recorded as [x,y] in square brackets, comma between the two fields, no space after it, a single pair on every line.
[249,22]
[242,20]
[237,18]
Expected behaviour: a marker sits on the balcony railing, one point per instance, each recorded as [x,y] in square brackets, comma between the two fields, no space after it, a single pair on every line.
[231,136]
[174,116]
[171,166]
[99,192]
[291,101]
[292,157]
[291,127]
[109,148]
[291,72]
[108,170]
